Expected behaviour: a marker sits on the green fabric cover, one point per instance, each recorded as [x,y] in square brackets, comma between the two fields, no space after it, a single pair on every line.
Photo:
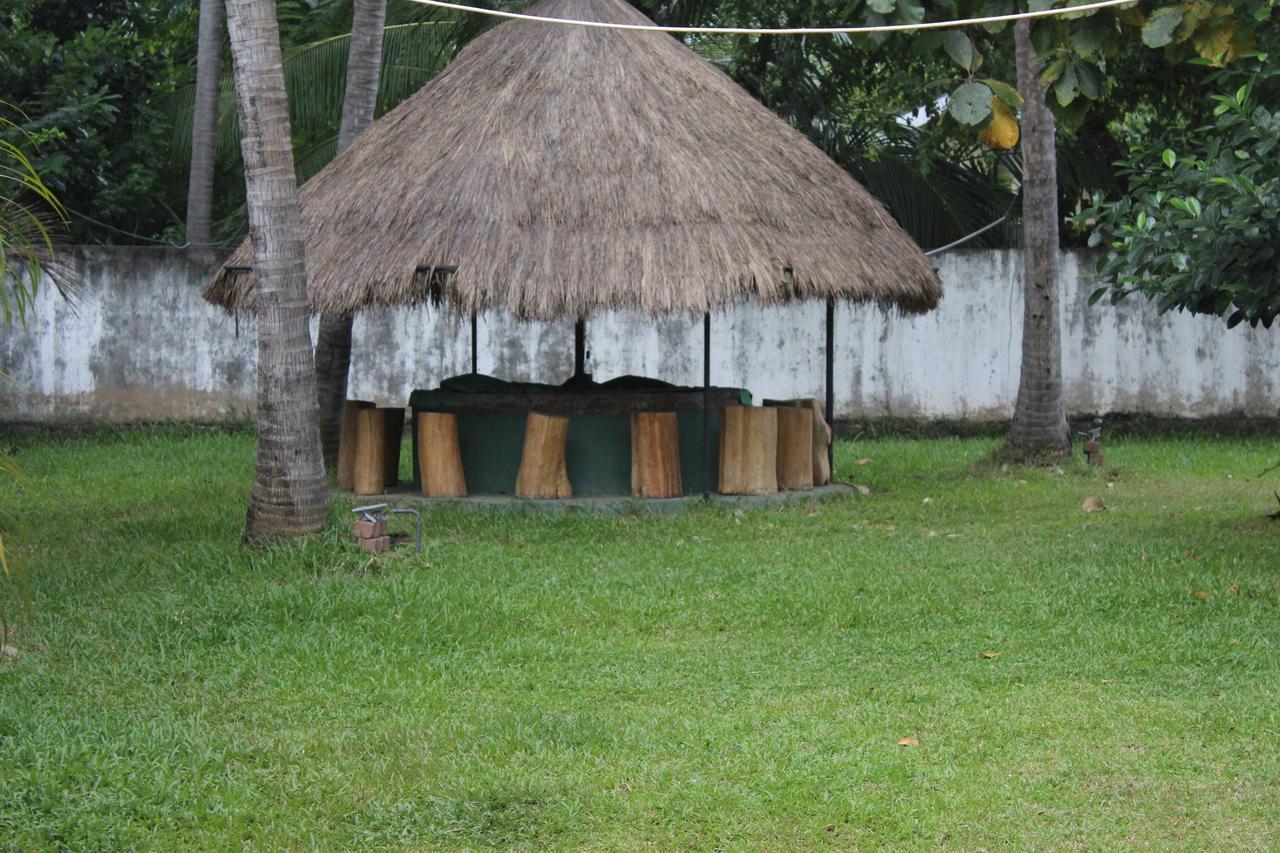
[598,449]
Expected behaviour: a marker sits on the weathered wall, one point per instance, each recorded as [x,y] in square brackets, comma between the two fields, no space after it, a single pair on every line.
[139,343]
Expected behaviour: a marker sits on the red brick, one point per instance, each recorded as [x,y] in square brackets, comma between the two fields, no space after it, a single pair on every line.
[376,545]
[371,529]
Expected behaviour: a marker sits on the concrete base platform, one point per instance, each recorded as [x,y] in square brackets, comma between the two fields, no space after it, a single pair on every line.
[609,504]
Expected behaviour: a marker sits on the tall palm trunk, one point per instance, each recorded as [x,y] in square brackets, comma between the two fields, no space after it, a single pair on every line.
[333,346]
[290,495]
[204,122]
[1039,418]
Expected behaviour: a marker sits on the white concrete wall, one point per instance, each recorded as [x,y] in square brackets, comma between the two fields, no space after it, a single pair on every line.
[139,343]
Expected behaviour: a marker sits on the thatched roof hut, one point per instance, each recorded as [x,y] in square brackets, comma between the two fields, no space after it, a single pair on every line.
[561,171]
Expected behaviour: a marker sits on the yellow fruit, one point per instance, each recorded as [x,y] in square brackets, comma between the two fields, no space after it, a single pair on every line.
[1001,132]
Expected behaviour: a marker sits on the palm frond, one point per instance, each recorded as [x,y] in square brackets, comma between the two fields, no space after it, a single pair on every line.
[309,162]
[29,212]
[315,79]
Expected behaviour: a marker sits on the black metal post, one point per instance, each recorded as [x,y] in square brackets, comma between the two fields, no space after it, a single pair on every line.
[475,359]
[831,386]
[706,406]
[580,347]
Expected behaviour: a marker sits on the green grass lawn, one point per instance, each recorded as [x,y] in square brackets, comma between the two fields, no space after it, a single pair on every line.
[712,679]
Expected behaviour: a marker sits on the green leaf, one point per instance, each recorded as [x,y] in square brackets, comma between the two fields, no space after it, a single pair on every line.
[1004,92]
[1086,36]
[1096,295]
[994,8]
[1169,157]
[971,103]
[959,48]
[1158,30]
[1053,71]
[910,12]
[1067,86]
[884,7]
[1089,79]
[1042,36]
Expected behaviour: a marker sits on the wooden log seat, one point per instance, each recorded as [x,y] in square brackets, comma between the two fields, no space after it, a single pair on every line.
[440,456]
[543,473]
[347,444]
[748,450]
[821,436]
[655,455]
[371,451]
[795,447]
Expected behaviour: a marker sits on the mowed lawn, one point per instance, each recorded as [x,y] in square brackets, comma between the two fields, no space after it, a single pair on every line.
[716,679]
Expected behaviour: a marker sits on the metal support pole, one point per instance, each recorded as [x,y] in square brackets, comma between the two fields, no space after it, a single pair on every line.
[706,406]
[475,359]
[580,347]
[831,386]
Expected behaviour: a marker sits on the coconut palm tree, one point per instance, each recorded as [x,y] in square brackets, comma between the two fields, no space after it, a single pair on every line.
[1039,419]
[290,496]
[204,125]
[333,344]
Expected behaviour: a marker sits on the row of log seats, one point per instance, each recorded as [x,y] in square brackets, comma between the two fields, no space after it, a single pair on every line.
[543,472]
[655,457]
[369,448]
[781,445]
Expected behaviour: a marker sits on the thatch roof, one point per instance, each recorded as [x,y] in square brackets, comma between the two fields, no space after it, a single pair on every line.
[568,170]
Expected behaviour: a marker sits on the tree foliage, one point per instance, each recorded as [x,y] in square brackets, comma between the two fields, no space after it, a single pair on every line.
[1199,226]
[82,73]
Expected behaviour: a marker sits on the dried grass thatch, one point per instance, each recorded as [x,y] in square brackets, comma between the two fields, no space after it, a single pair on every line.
[567,170]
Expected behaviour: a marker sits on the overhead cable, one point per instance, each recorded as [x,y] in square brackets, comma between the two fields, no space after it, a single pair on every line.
[784,31]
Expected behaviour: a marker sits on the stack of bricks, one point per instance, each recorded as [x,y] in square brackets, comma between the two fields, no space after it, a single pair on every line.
[372,536]
[1093,452]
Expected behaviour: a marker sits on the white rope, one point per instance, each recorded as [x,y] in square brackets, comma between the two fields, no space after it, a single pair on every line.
[783,31]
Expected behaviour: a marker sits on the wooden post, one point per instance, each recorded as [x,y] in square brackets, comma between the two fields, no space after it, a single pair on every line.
[706,406]
[831,382]
[543,473]
[580,347]
[347,444]
[475,356]
[440,456]
[655,455]
[393,436]
[371,446]
[795,447]
[748,450]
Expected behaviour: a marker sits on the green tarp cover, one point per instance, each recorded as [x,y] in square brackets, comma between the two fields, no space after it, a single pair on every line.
[598,450]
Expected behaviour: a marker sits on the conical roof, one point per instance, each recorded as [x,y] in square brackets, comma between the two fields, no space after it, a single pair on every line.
[559,171]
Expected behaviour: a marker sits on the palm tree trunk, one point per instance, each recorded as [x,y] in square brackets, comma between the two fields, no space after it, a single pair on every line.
[204,122]
[1039,417]
[333,346]
[290,495]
